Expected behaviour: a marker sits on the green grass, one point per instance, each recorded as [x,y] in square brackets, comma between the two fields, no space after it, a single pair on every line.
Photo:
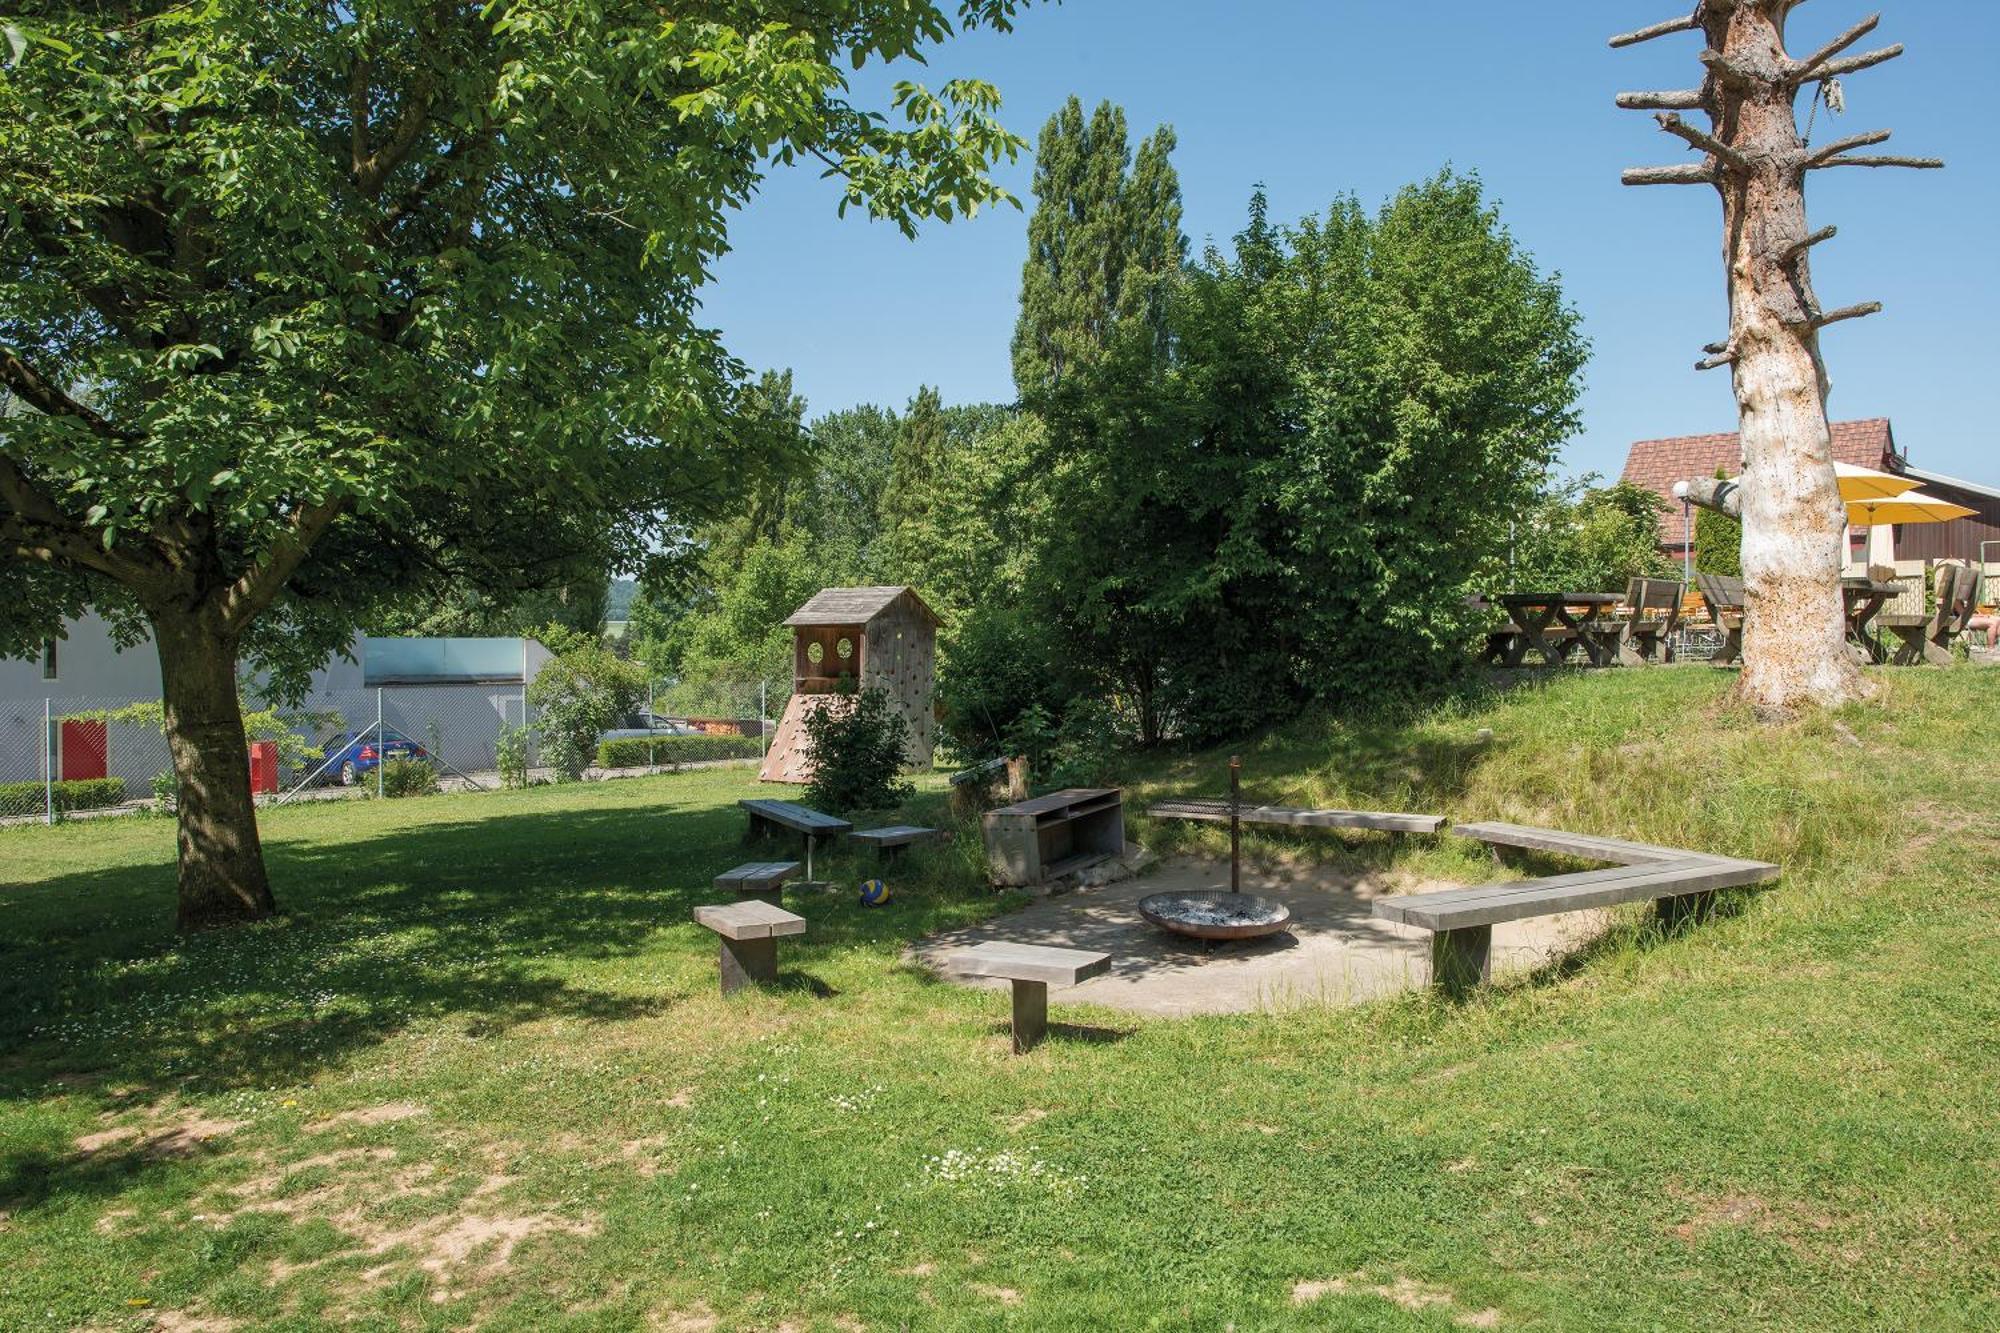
[487,1021]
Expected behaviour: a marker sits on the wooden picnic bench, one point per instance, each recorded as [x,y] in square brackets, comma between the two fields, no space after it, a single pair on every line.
[768,817]
[1546,623]
[1927,636]
[1646,635]
[893,840]
[1722,594]
[1682,885]
[1215,810]
[758,879]
[1863,599]
[1031,968]
[749,931]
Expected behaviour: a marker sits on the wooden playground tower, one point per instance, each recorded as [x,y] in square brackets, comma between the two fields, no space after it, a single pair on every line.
[847,639]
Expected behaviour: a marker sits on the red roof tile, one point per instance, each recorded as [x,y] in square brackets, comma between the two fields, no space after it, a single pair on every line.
[1658,464]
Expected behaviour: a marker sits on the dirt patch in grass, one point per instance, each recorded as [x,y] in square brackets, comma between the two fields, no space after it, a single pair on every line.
[180,1138]
[699,1319]
[1404,1293]
[388,1113]
[1005,1295]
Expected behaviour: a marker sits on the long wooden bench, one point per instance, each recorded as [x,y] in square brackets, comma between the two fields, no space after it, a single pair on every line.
[891,841]
[1215,810]
[1031,967]
[757,879]
[1680,883]
[767,817]
[749,931]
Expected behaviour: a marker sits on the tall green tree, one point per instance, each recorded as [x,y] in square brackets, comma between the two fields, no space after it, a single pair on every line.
[310,304]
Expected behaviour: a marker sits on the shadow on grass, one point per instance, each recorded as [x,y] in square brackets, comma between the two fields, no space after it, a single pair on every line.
[479,922]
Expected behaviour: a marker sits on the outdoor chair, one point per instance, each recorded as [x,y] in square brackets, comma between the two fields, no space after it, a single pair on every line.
[1646,635]
[1723,595]
[1925,636]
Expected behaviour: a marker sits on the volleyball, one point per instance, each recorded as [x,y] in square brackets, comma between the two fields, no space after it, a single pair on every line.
[874,893]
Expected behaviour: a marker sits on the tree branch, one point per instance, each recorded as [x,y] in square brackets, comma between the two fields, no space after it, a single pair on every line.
[1679,99]
[1797,248]
[1664,28]
[1847,312]
[260,584]
[1715,349]
[1681,173]
[1833,69]
[1708,143]
[1711,362]
[1918,163]
[357,116]
[40,530]
[1723,68]
[1842,145]
[1803,70]
[46,398]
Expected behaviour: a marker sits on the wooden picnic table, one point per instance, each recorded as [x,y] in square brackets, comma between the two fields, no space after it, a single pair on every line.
[1864,598]
[1544,622]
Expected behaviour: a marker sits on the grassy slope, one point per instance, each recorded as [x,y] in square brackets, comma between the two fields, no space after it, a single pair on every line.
[1785,1119]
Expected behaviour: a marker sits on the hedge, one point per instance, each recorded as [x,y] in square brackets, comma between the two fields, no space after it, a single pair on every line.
[640,751]
[70,794]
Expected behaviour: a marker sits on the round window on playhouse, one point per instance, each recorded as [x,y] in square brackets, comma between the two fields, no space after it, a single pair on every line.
[815,653]
[845,648]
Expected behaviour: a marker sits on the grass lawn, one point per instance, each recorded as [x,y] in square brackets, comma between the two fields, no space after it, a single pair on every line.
[481,1074]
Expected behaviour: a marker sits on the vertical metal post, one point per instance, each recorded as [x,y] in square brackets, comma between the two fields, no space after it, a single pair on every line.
[48,762]
[381,744]
[1687,544]
[763,719]
[1235,823]
[652,742]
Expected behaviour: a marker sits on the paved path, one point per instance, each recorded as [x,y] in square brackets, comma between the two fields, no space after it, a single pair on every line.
[1334,952]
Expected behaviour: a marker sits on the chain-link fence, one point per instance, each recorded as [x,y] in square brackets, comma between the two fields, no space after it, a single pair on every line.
[63,756]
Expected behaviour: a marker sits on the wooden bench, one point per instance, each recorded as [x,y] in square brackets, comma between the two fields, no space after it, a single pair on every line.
[893,840]
[749,931]
[1722,594]
[1050,836]
[758,879]
[767,818]
[1645,637]
[1031,967]
[1215,810]
[1681,884]
[1927,637]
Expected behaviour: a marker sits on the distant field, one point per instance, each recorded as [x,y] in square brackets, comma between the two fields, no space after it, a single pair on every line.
[481,1076]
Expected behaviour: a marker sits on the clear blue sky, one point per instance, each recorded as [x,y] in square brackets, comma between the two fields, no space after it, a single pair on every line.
[1318,97]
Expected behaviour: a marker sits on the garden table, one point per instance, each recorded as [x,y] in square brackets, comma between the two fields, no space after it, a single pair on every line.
[1864,598]
[1538,614]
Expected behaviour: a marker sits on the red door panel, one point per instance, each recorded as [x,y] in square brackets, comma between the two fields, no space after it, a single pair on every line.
[86,750]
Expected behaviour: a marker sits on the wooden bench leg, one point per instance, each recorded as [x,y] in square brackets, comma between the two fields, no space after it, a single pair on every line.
[748,963]
[1461,959]
[1031,1014]
[1683,909]
[773,894]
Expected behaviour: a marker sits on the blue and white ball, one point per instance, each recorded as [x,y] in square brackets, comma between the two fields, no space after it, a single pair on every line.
[874,893]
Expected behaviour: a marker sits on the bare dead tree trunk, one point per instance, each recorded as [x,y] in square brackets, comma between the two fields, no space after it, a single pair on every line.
[222,876]
[1794,526]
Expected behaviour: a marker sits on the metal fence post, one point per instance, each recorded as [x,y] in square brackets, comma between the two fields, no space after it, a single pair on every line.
[48,761]
[381,744]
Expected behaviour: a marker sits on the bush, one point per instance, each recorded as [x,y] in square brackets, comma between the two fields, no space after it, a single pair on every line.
[408,777]
[640,751]
[70,794]
[510,756]
[579,692]
[858,743]
[166,791]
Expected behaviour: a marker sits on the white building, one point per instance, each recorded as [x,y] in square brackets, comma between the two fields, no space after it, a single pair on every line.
[450,695]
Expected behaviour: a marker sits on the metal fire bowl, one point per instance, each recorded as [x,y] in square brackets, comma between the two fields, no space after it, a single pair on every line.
[1216,915]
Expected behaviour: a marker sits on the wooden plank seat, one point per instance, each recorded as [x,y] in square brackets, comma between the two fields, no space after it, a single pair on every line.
[1722,594]
[893,840]
[749,932]
[1680,883]
[768,818]
[1215,810]
[757,879]
[1927,636]
[1032,968]
[1646,635]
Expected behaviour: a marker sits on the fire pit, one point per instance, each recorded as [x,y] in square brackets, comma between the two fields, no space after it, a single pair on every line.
[1215,916]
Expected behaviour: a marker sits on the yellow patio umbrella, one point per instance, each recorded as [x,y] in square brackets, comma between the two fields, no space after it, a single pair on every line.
[1867,483]
[1909,507]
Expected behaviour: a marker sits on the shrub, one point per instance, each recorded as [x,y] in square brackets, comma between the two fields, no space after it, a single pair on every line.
[858,742]
[639,751]
[579,692]
[70,794]
[166,791]
[510,755]
[408,777]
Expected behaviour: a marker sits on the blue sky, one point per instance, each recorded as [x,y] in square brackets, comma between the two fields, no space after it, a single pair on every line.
[1317,99]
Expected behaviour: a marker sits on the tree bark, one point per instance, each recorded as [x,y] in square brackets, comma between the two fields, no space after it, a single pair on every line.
[222,875]
[1794,526]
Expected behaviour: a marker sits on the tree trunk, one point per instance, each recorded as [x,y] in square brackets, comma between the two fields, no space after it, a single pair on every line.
[222,875]
[1794,527]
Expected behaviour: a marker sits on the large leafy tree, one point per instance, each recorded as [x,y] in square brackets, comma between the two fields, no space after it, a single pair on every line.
[303,305]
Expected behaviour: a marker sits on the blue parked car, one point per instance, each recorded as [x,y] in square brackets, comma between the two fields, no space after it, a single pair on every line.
[350,755]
